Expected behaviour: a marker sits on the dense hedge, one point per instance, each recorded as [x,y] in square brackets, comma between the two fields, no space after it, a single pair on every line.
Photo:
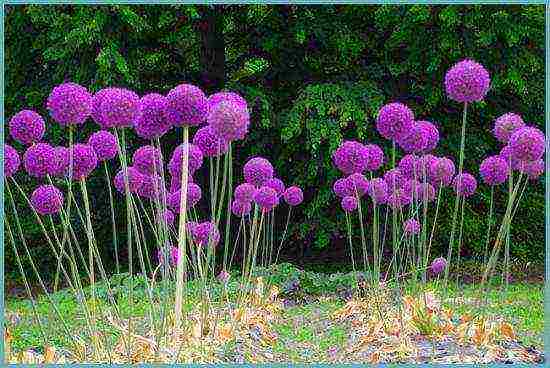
[313,75]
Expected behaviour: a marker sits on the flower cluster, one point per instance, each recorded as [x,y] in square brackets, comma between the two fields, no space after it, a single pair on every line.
[47,200]
[12,161]
[104,144]
[467,81]
[27,127]
[115,108]
[187,105]
[153,121]
[69,104]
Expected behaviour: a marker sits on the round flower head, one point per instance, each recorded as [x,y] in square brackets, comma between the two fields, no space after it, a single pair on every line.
[507,154]
[209,143]
[410,188]
[343,188]
[244,193]
[175,182]
[533,169]
[430,134]
[423,166]
[134,177]
[257,171]
[399,198]
[69,104]
[266,198]
[194,160]
[438,265]
[152,186]
[494,170]
[194,194]
[61,165]
[293,196]
[359,184]
[27,127]
[115,107]
[205,234]
[104,144]
[411,226]
[413,140]
[464,184]
[172,257]
[84,161]
[441,172]
[394,178]
[12,161]
[527,144]
[375,157]
[167,217]
[47,199]
[467,81]
[394,119]
[351,157]
[39,160]
[187,105]
[425,192]
[229,120]
[349,203]
[233,97]
[378,190]
[148,160]
[506,125]
[408,166]
[152,122]
[223,276]
[276,184]
[241,208]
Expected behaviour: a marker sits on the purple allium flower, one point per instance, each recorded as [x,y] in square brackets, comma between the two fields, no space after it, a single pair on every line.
[115,107]
[398,198]
[69,103]
[244,193]
[410,188]
[229,120]
[423,166]
[233,97]
[467,81]
[194,194]
[12,161]
[148,160]
[153,122]
[349,203]
[505,125]
[438,265]
[257,171]
[441,172]
[62,161]
[47,199]
[39,160]
[293,196]
[84,161]
[413,140]
[431,135]
[135,180]
[224,276]
[104,144]
[152,186]
[508,156]
[276,184]
[393,120]
[173,255]
[266,198]
[464,184]
[408,165]
[27,127]
[351,157]
[527,144]
[241,208]
[359,184]
[187,105]
[205,233]
[375,157]
[167,217]
[343,188]
[411,226]
[209,143]
[494,170]
[394,178]
[175,182]
[425,191]
[378,190]
[533,169]
[194,160]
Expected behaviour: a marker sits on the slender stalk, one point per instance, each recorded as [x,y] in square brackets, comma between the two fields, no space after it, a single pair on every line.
[112,207]
[489,225]
[284,234]
[228,214]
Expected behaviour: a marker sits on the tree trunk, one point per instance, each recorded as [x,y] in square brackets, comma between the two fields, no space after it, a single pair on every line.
[213,48]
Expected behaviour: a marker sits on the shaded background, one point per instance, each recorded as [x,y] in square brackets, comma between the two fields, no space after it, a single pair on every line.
[312,75]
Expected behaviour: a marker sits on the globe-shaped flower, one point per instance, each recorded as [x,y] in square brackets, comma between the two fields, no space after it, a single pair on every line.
[375,157]
[276,184]
[172,256]
[187,105]
[241,208]
[394,178]
[62,160]
[153,121]
[266,198]
[293,196]
[533,169]
[425,192]
[410,188]
[505,125]
[431,135]
[148,160]
[423,166]
[12,161]
[104,144]
[438,265]
[194,159]
[152,186]
[378,190]
[229,120]
[394,119]
[494,170]
[47,200]
[464,184]
[69,104]
[411,226]
[467,81]
[84,161]
[39,160]
[166,217]
[134,178]
[343,188]
[27,127]
[233,97]
[527,144]
[175,182]
[209,143]
[349,203]
[257,171]
[244,193]
[205,234]
[351,157]
[408,166]
[194,194]
[398,199]
[413,140]
[359,184]
[115,108]
[441,172]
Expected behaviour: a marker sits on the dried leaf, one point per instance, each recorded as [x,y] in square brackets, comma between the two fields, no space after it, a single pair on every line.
[507,331]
